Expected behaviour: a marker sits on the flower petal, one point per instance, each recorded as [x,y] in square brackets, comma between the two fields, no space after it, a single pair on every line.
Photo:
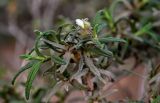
[80,23]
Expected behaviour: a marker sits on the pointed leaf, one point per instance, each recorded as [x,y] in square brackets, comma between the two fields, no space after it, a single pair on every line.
[144,29]
[31,77]
[27,66]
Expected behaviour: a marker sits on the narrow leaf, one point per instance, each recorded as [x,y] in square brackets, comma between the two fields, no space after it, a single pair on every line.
[25,56]
[58,60]
[144,29]
[27,66]
[111,39]
[31,77]
[103,52]
[54,44]
[30,57]
[37,45]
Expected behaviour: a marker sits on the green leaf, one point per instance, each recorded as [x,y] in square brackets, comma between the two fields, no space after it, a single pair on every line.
[54,44]
[51,35]
[155,36]
[98,18]
[111,39]
[156,100]
[58,60]
[103,52]
[98,27]
[95,51]
[38,33]
[108,17]
[30,57]
[144,29]
[31,77]
[37,45]
[27,66]
[26,56]
[60,30]
[97,43]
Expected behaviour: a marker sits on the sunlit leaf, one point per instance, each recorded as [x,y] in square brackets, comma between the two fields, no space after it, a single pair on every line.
[30,57]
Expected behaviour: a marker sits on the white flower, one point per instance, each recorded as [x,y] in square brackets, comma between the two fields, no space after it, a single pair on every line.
[83,23]
[80,23]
